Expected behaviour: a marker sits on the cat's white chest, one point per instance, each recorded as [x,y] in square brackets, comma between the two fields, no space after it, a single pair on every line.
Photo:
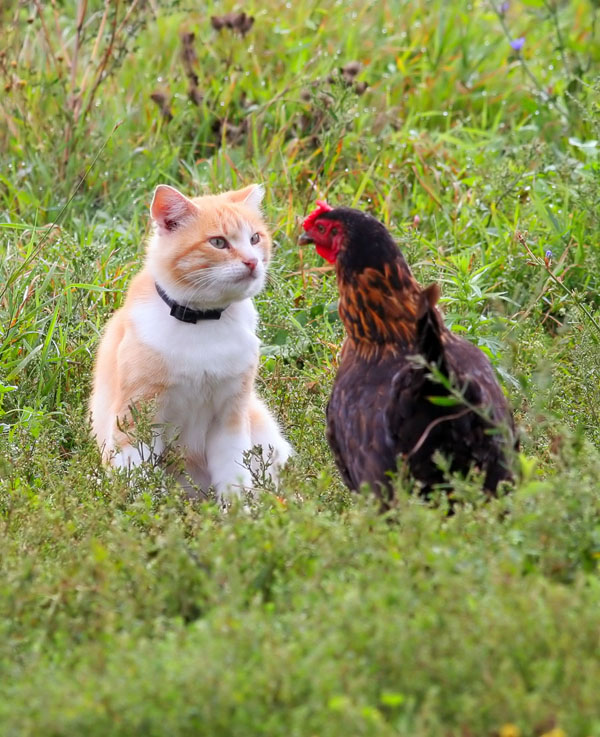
[206,363]
[208,351]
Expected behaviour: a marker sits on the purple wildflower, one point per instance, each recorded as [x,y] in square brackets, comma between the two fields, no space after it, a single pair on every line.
[517,43]
[548,254]
[504,8]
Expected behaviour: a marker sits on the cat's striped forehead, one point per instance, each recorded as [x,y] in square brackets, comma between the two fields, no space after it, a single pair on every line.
[219,214]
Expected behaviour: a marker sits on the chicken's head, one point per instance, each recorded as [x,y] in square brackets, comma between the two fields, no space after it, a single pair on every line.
[324,230]
[354,239]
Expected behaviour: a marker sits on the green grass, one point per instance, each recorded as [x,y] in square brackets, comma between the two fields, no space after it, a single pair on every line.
[126,609]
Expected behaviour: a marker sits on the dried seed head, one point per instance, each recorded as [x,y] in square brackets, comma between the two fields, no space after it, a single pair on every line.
[163,103]
[240,22]
[232,133]
[195,95]
[351,69]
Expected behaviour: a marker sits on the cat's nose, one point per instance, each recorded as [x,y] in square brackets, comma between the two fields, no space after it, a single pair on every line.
[251,263]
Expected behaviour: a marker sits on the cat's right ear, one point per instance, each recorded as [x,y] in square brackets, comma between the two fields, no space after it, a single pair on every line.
[170,209]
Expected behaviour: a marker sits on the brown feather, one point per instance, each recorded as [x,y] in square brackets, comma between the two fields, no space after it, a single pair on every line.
[379,308]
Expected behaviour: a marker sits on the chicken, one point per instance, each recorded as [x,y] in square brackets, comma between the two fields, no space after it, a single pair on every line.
[406,386]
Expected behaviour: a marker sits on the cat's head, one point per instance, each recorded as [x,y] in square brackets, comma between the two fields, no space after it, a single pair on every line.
[208,252]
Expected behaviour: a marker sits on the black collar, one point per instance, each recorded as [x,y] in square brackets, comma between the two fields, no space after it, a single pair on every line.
[187,314]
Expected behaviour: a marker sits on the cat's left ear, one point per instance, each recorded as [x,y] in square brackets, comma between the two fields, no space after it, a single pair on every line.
[170,209]
[251,196]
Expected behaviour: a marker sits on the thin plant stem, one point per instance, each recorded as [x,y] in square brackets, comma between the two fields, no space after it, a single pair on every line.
[46,33]
[525,66]
[58,218]
[551,8]
[540,262]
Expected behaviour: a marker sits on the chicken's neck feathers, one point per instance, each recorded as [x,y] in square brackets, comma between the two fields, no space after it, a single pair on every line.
[380,308]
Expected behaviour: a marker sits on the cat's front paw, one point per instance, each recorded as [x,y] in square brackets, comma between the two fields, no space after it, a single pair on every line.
[282,452]
[266,462]
[228,490]
[130,455]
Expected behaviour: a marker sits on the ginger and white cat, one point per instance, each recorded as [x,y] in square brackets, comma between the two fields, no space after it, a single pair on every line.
[186,339]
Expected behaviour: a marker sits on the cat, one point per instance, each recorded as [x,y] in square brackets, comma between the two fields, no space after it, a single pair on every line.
[185,339]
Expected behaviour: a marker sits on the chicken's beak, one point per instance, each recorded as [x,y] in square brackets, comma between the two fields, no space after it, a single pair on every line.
[305,239]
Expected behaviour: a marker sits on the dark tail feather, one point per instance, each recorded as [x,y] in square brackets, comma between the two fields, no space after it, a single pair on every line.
[430,326]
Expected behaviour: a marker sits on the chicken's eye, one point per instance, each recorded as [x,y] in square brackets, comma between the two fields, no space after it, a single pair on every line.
[321,228]
[334,231]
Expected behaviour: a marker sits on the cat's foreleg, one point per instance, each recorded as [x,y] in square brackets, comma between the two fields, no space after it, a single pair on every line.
[130,455]
[126,450]
[225,447]
[264,431]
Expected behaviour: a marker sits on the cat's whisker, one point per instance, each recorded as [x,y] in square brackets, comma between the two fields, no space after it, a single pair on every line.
[274,280]
[202,277]
[191,278]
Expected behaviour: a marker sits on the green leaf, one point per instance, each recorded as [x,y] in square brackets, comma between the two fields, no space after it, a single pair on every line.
[391,698]
[444,401]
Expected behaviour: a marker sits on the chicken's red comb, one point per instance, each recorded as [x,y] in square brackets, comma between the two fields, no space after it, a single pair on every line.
[321,208]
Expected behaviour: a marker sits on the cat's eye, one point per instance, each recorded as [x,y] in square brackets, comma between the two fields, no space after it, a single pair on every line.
[255,238]
[321,228]
[218,242]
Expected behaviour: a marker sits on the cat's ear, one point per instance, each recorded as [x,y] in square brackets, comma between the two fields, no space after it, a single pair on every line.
[251,196]
[170,209]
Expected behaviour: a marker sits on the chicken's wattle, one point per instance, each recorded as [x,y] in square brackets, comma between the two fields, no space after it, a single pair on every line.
[329,254]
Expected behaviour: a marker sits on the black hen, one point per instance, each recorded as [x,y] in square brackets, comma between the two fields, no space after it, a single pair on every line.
[406,386]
